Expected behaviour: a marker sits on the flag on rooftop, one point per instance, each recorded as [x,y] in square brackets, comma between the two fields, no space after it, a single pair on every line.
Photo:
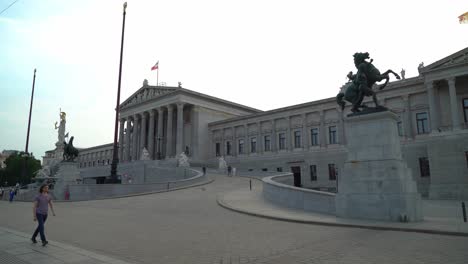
[155,67]
[463,18]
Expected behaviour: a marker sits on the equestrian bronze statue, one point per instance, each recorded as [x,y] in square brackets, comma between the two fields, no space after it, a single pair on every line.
[69,152]
[360,84]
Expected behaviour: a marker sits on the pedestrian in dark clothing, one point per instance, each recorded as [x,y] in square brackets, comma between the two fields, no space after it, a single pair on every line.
[12,194]
[204,170]
[40,210]
[229,170]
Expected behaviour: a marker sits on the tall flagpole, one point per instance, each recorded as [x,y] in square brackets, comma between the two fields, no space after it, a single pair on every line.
[30,112]
[115,157]
[157,76]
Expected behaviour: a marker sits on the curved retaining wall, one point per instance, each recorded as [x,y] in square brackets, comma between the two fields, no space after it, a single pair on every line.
[275,191]
[81,192]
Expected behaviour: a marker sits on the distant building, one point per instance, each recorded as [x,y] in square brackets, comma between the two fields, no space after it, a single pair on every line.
[4,155]
[308,139]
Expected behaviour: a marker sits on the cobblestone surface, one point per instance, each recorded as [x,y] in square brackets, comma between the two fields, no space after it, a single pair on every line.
[188,226]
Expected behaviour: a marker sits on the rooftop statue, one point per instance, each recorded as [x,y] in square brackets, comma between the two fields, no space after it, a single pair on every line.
[360,84]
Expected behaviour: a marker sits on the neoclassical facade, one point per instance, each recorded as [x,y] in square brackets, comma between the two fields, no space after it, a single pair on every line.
[308,139]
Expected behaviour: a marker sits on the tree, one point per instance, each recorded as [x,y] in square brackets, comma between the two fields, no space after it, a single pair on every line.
[19,168]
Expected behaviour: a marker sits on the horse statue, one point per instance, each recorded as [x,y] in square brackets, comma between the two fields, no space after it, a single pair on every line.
[69,152]
[360,84]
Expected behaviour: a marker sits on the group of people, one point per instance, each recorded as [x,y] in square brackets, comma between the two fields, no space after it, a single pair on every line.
[12,192]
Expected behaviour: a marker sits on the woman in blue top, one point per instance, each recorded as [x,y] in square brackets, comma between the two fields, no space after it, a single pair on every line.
[40,209]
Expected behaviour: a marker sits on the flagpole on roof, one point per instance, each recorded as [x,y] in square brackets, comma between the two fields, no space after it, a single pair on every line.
[157,76]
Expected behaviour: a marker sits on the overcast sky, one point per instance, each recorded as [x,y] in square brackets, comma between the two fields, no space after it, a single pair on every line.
[263,54]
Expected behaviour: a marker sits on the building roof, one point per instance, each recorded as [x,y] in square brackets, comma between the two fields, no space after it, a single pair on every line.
[149,92]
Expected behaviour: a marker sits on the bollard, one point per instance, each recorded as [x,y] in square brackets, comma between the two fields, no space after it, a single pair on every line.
[168,185]
[250,183]
[464,212]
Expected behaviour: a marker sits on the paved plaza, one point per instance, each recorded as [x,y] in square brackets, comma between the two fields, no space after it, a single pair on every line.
[188,226]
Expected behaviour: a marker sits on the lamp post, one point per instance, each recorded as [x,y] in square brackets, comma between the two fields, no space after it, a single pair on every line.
[115,158]
[159,139]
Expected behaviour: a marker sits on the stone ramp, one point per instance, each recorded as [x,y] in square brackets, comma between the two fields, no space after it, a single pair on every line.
[253,203]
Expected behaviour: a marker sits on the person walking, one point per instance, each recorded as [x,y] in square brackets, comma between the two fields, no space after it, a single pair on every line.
[40,210]
[12,194]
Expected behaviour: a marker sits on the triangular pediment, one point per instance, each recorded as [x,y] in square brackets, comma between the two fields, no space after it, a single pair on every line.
[458,58]
[146,93]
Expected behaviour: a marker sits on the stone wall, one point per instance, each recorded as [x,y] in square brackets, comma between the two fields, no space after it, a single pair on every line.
[298,198]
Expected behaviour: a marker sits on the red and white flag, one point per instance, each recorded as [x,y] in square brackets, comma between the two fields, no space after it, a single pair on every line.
[463,18]
[155,67]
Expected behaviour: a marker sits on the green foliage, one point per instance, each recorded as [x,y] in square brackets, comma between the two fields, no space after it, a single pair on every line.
[19,168]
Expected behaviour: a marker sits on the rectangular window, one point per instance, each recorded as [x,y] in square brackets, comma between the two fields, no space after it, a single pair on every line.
[253,145]
[267,143]
[465,109]
[400,128]
[314,136]
[332,134]
[228,148]
[466,157]
[421,123]
[279,169]
[241,146]
[297,139]
[424,167]
[218,149]
[282,140]
[313,172]
[331,172]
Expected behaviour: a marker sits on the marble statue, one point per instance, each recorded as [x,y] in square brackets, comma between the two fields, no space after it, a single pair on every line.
[222,165]
[183,160]
[61,127]
[420,67]
[145,155]
[43,173]
[402,74]
[361,83]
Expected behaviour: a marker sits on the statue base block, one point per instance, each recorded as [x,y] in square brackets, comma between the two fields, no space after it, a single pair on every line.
[376,183]
[67,173]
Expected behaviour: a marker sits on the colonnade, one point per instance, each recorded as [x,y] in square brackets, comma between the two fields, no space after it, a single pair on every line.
[432,93]
[160,130]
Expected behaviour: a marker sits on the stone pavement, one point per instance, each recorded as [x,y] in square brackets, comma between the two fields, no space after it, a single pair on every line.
[440,217]
[189,227]
[16,248]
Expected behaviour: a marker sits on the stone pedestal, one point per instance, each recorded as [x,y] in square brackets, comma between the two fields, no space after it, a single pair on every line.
[67,174]
[376,183]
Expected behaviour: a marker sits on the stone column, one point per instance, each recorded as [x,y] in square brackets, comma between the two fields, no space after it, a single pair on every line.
[274,145]
[246,139]
[289,138]
[151,134]
[322,135]
[143,133]
[169,142]
[234,142]
[341,127]
[305,135]
[135,138]
[159,147]
[432,107]
[260,142]
[127,141]
[121,139]
[222,149]
[180,128]
[407,125]
[454,104]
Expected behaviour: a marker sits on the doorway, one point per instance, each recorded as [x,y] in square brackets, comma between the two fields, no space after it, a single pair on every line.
[296,171]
